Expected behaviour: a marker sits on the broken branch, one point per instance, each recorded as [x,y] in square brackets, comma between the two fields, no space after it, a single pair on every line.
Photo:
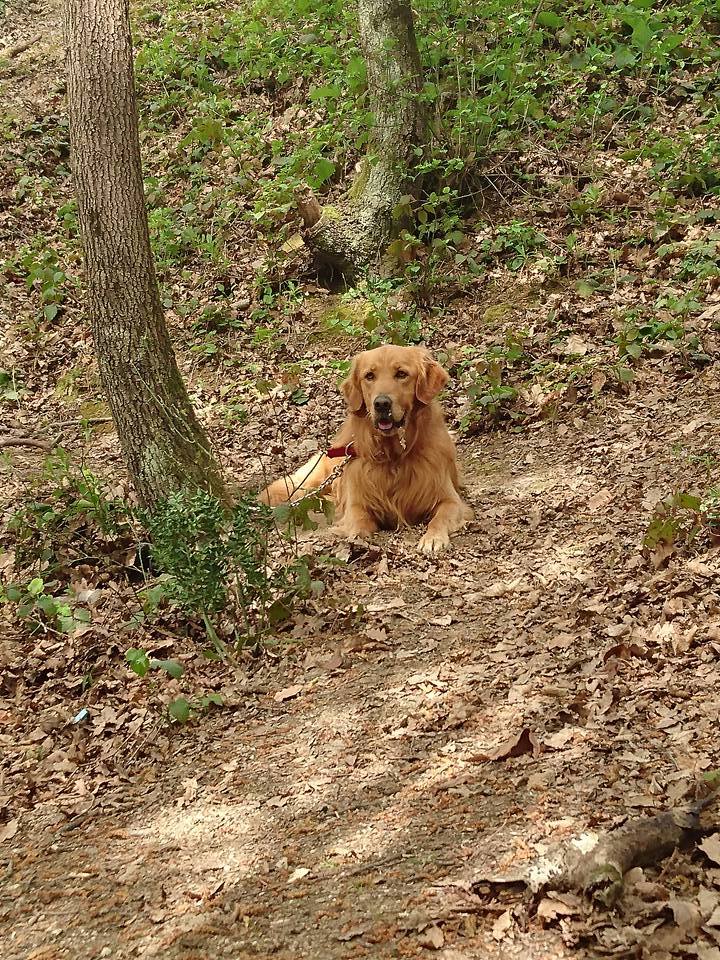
[596,864]
[20,47]
[26,442]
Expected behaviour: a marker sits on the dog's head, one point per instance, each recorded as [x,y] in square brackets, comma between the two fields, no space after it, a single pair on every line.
[387,383]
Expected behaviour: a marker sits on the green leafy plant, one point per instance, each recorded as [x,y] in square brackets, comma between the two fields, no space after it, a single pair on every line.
[43,273]
[710,511]
[141,664]
[43,611]
[374,312]
[637,335]
[490,398]
[216,559]
[181,710]
[682,517]
[10,389]
[514,242]
[434,241]
[72,518]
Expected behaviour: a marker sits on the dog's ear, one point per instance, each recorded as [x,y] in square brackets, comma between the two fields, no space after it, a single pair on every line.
[431,379]
[351,389]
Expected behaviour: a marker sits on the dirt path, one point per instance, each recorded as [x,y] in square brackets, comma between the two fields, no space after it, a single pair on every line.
[340,809]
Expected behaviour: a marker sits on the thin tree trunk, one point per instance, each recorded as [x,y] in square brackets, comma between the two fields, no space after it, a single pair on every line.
[164,446]
[352,235]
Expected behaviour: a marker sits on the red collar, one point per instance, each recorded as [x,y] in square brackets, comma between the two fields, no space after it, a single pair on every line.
[346,451]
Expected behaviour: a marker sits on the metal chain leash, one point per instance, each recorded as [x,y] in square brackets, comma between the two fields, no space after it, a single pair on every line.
[327,481]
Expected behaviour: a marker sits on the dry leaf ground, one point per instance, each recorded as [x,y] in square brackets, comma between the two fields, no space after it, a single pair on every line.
[426,722]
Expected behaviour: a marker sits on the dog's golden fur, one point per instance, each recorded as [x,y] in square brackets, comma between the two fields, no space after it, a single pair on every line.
[404,470]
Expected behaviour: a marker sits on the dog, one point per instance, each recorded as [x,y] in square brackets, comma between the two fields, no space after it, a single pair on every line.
[402,468]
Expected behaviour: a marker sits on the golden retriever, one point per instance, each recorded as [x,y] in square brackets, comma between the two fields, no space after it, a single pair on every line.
[403,469]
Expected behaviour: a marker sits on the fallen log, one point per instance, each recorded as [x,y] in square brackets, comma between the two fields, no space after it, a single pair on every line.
[596,864]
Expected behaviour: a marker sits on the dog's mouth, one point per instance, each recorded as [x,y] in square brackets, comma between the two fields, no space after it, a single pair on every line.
[387,426]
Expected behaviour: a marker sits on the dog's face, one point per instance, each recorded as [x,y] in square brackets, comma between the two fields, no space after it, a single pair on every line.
[388,382]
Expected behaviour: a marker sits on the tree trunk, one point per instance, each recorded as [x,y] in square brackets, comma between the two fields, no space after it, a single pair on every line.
[352,236]
[164,446]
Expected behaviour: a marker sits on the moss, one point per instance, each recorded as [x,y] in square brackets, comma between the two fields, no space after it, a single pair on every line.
[357,187]
[497,313]
[330,212]
[346,319]
[93,408]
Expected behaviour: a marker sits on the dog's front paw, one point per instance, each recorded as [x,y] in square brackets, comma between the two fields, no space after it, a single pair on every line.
[434,541]
[352,531]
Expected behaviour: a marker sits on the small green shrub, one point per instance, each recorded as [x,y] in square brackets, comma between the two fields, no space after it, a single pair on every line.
[491,396]
[216,561]
[433,242]
[514,242]
[39,266]
[682,518]
[10,389]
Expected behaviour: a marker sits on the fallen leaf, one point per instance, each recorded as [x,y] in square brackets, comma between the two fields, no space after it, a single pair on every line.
[687,915]
[351,933]
[501,926]
[393,603]
[575,346]
[433,937]
[660,554]
[524,742]
[559,905]
[8,831]
[335,662]
[624,651]
[376,634]
[558,740]
[711,848]
[709,903]
[598,381]
[441,621]
[288,693]
[693,426]
[708,953]
[298,874]
[562,641]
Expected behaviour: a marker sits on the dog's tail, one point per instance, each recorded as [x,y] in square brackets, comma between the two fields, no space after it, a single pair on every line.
[296,485]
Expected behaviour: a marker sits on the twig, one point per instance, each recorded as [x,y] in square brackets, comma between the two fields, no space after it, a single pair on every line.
[26,442]
[367,867]
[20,47]
[533,22]
[77,421]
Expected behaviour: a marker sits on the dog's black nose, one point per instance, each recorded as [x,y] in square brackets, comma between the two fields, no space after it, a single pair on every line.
[383,405]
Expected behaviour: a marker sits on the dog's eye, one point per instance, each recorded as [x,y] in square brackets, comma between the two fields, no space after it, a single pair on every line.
[401,375]
[369,375]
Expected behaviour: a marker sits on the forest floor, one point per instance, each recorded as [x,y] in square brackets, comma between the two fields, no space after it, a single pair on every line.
[425,726]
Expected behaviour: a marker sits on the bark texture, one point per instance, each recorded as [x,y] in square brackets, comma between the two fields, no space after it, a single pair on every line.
[352,235]
[164,446]
[596,865]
